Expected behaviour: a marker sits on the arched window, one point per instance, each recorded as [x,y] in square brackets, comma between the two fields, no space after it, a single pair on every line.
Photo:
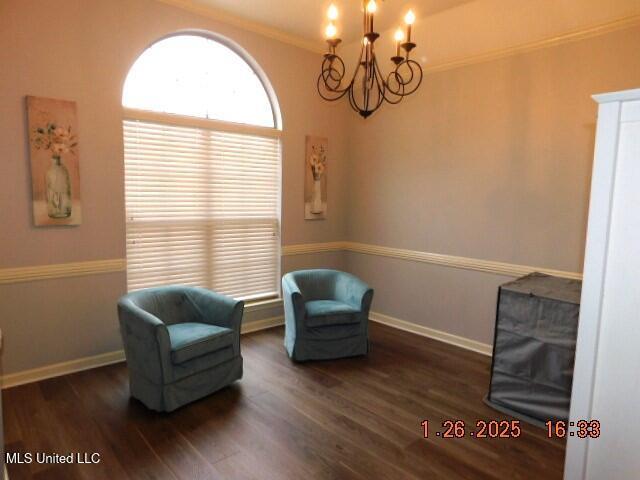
[202,169]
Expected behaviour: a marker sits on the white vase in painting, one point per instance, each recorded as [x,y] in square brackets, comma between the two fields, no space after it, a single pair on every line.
[58,188]
[316,201]
[315,207]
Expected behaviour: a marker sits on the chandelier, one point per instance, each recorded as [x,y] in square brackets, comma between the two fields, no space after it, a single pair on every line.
[369,88]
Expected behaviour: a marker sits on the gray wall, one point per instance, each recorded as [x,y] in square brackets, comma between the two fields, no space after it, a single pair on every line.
[489,161]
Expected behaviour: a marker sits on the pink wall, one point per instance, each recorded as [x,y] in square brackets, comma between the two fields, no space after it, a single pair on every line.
[490,161]
[81,50]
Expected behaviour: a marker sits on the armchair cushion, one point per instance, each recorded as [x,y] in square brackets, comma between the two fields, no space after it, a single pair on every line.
[190,340]
[322,313]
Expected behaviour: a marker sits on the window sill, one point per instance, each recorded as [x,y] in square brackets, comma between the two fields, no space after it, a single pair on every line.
[258,305]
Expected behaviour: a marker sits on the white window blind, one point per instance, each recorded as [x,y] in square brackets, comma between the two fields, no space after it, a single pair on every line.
[202,208]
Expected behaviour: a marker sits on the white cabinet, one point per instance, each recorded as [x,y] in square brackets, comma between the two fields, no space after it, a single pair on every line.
[606,384]
[3,472]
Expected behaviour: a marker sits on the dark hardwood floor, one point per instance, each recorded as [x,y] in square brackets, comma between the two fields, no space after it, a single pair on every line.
[347,419]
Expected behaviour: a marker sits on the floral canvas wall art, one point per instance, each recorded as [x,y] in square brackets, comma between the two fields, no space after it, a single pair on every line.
[55,169]
[315,183]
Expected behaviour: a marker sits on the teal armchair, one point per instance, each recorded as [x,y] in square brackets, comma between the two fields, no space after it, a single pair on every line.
[181,344]
[326,314]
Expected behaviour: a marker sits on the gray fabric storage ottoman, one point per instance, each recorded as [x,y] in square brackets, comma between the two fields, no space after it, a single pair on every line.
[534,347]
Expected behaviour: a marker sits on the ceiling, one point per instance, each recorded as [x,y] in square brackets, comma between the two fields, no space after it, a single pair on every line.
[307,18]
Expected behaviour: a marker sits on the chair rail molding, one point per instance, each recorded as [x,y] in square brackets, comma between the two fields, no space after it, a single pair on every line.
[95,267]
[304,248]
[61,270]
[466,263]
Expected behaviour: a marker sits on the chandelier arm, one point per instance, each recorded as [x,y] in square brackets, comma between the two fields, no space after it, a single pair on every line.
[381,85]
[352,94]
[388,92]
[350,89]
[331,69]
[358,64]
[331,75]
[335,75]
[373,89]
[352,100]
[367,90]
[377,81]
[392,95]
[417,74]
[408,64]
[355,104]
[339,93]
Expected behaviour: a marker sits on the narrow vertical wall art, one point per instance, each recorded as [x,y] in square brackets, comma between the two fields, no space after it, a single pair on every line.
[315,178]
[55,169]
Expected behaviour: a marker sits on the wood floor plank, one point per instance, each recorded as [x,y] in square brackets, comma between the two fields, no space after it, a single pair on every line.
[63,404]
[347,419]
[108,403]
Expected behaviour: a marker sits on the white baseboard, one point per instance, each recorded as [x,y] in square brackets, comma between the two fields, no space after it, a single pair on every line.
[439,335]
[86,363]
[78,365]
[62,368]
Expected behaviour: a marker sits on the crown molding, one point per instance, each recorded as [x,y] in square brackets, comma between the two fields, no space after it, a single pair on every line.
[248,25]
[318,47]
[623,96]
[568,37]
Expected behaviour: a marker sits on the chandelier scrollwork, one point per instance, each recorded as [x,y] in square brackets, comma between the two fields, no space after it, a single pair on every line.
[369,87]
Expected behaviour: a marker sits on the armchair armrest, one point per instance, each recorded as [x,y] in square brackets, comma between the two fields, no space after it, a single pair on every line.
[146,340]
[353,291]
[217,309]
[139,321]
[292,296]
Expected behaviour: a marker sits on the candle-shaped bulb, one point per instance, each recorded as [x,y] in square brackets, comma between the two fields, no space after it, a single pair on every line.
[399,36]
[372,7]
[410,17]
[331,31]
[332,12]
[365,41]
